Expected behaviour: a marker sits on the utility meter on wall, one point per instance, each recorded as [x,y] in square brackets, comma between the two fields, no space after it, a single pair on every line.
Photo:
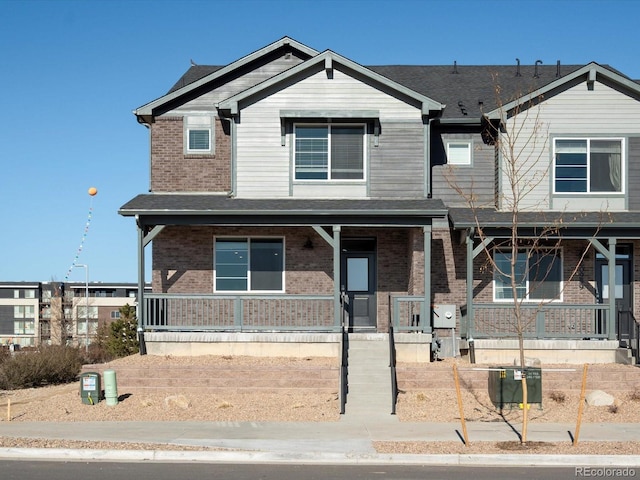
[444,316]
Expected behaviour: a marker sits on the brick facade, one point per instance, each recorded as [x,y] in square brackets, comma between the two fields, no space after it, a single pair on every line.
[174,171]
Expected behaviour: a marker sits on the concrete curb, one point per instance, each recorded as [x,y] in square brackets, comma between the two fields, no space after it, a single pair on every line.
[54,454]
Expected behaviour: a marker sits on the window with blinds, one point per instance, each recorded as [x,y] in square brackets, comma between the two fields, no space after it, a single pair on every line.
[329,152]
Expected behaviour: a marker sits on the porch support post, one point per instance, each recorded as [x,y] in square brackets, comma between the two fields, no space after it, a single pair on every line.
[611,324]
[337,312]
[470,319]
[472,253]
[426,323]
[141,310]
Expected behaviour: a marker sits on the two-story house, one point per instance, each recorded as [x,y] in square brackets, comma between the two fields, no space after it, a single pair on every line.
[295,192]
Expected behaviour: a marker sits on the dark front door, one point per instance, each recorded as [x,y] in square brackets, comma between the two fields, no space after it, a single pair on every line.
[358,282]
[623,294]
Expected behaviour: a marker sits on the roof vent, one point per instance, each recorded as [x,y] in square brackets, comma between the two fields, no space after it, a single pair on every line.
[535,73]
[518,67]
[455,67]
[558,69]
[463,109]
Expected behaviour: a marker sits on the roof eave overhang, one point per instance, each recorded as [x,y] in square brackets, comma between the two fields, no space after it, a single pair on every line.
[429,107]
[146,111]
[590,72]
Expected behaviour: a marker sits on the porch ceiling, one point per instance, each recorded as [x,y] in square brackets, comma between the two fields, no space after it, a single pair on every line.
[208,209]
[570,224]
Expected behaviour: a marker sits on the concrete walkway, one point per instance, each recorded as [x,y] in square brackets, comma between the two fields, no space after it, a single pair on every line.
[342,442]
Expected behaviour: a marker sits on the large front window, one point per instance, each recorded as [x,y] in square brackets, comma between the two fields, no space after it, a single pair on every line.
[329,152]
[588,165]
[537,275]
[249,264]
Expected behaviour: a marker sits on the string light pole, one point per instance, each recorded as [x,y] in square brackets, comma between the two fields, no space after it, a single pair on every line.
[86,294]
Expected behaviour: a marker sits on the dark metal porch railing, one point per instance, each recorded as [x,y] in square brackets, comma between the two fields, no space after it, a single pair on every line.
[549,321]
[179,312]
[628,329]
[392,365]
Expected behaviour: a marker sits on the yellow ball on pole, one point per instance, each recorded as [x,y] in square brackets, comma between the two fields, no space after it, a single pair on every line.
[93,191]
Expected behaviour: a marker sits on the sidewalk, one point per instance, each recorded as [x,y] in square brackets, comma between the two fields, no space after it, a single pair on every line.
[349,440]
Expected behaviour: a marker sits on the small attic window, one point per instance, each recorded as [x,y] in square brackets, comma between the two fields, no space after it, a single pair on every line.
[459,152]
[198,134]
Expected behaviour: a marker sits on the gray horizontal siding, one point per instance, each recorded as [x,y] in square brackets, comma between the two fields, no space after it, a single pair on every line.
[477,179]
[397,164]
[634,173]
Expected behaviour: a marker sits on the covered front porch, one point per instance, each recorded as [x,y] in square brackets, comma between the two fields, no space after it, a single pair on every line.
[578,323]
[355,265]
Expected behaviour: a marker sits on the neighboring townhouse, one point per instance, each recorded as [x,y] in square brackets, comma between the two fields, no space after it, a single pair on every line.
[45,313]
[295,192]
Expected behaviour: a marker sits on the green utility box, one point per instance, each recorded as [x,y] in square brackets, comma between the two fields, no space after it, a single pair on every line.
[505,385]
[90,388]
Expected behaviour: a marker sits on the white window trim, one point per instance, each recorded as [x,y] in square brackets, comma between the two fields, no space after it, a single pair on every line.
[588,139]
[249,291]
[468,161]
[329,179]
[528,300]
[199,122]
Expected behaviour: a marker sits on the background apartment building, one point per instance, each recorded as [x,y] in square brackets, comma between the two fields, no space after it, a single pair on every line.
[46,313]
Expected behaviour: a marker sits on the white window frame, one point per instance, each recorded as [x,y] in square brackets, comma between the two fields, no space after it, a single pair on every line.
[527,299]
[329,126]
[24,311]
[623,166]
[453,160]
[248,239]
[198,123]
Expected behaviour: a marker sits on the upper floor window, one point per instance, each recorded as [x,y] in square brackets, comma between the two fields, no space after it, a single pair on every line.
[249,264]
[82,312]
[198,134]
[537,277]
[588,165]
[329,152]
[459,152]
[24,311]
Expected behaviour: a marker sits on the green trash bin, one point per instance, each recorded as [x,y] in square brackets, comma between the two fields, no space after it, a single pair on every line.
[505,385]
[90,389]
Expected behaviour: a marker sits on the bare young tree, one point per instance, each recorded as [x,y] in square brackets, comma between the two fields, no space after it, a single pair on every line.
[61,323]
[523,261]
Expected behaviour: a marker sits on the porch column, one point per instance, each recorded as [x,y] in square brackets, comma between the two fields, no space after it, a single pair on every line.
[426,323]
[611,324]
[469,242]
[337,310]
[141,310]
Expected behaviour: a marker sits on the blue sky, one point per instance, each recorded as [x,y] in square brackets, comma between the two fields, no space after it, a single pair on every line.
[73,71]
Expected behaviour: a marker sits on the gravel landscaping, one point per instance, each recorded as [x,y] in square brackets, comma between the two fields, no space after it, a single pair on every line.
[63,403]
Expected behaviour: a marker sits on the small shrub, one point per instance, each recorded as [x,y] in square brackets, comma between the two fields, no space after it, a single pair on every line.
[421,397]
[558,397]
[49,365]
[635,396]
[613,408]
[116,339]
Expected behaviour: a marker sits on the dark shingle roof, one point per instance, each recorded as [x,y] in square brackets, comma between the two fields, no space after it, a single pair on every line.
[299,211]
[466,90]
[599,223]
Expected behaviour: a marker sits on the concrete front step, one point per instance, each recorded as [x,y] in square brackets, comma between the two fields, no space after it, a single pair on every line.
[369,379]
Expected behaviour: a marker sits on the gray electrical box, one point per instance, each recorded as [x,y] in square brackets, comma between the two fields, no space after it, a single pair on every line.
[444,316]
